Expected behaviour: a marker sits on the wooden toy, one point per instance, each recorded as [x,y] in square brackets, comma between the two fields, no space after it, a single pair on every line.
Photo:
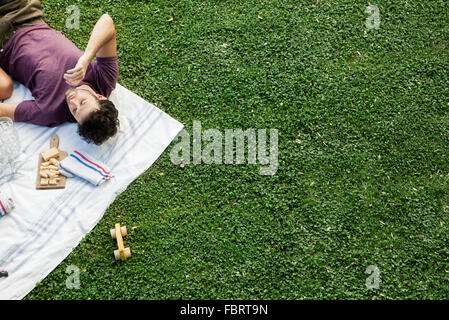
[48,176]
[118,233]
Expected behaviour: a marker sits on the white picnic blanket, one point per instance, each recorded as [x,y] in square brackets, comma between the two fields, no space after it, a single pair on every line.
[47,224]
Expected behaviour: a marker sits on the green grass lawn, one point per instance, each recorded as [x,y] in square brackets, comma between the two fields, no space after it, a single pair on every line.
[363,118]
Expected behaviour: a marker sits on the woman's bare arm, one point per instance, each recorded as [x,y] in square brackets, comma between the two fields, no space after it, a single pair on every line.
[6,85]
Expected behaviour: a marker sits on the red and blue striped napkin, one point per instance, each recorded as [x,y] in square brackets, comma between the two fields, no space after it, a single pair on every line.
[6,204]
[83,165]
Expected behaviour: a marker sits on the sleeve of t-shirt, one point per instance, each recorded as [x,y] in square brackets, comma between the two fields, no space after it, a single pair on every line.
[27,111]
[104,75]
[31,112]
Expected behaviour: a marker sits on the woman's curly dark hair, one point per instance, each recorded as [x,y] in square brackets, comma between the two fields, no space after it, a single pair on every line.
[100,125]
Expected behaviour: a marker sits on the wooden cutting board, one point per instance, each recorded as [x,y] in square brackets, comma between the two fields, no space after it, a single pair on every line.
[54,142]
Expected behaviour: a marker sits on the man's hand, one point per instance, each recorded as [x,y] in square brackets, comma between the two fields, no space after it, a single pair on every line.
[8,109]
[74,76]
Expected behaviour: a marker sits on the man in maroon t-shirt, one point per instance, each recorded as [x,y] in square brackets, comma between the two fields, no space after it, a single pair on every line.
[67,85]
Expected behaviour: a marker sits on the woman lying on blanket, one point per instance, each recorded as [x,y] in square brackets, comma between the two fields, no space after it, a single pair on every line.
[68,86]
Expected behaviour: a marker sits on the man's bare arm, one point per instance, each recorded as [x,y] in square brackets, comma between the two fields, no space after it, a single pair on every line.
[102,43]
[8,109]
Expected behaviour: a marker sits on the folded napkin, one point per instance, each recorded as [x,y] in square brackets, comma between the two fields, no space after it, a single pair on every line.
[6,204]
[83,165]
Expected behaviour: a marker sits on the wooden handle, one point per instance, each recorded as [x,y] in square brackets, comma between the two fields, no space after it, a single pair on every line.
[54,141]
[121,247]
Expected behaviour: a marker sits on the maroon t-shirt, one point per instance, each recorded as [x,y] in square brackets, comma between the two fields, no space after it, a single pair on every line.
[38,56]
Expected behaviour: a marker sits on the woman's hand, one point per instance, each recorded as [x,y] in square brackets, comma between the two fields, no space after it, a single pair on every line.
[74,76]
